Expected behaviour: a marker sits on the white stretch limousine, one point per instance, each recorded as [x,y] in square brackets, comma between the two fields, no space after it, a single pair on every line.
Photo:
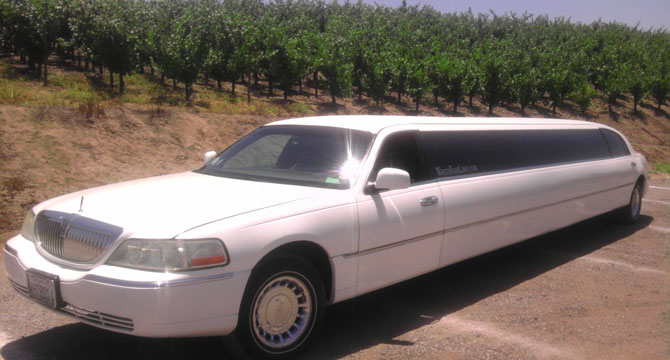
[307,212]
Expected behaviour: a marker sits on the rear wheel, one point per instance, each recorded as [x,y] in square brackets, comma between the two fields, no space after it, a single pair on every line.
[282,308]
[631,212]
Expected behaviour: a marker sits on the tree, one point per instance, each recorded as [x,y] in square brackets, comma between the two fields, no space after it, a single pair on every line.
[143,20]
[399,68]
[472,79]
[611,77]
[182,42]
[526,82]
[376,78]
[334,57]
[635,68]
[117,37]
[418,79]
[45,19]
[658,56]
[583,95]
[493,74]
[455,89]
[297,63]
[660,88]
[221,48]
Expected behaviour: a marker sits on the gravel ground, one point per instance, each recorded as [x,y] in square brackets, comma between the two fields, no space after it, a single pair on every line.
[591,291]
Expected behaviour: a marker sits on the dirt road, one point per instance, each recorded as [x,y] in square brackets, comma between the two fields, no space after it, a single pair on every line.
[591,291]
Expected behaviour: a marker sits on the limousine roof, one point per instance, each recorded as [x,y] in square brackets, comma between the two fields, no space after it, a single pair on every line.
[375,123]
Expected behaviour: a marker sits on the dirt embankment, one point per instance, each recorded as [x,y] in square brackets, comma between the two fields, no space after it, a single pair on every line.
[47,151]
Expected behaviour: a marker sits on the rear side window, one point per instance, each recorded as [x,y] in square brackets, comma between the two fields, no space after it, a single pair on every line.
[461,153]
[615,142]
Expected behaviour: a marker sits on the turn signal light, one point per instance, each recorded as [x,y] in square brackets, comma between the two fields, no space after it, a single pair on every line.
[210,260]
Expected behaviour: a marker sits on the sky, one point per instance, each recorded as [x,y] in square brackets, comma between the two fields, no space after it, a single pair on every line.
[649,13]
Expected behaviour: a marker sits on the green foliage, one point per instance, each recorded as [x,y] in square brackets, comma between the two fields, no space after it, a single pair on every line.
[233,38]
[117,37]
[527,87]
[409,50]
[493,80]
[635,68]
[583,96]
[660,89]
[33,26]
[450,77]
[659,68]
[185,44]
[662,167]
[418,80]
[333,58]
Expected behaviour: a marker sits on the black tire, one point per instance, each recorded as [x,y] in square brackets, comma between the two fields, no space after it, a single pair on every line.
[630,213]
[282,308]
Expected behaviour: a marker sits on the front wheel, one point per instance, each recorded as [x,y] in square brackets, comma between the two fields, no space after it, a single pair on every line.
[282,308]
[631,212]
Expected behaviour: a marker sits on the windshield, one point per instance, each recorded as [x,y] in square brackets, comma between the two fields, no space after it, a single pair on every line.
[301,155]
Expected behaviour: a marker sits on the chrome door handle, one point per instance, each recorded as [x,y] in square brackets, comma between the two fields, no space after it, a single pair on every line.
[427,201]
[633,164]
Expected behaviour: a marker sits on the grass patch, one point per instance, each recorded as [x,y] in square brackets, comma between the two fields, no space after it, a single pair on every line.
[12,93]
[76,95]
[298,108]
[141,89]
[203,103]
[80,89]
[211,100]
[69,81]
[661,167]
[14,88]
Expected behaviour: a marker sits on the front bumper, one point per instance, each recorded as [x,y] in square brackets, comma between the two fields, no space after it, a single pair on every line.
[198,303]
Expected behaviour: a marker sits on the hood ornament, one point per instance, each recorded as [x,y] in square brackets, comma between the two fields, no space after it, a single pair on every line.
[81,205]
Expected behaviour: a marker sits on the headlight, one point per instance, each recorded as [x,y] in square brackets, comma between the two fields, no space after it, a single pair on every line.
[28,229]
[169,255]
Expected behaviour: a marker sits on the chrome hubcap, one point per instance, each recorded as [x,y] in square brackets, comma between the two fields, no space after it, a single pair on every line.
[635,202]
[281,312]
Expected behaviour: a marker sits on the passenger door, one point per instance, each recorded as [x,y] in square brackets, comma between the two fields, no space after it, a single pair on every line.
[400,230]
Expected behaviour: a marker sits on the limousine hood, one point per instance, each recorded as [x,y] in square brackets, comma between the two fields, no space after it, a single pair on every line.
[165,206]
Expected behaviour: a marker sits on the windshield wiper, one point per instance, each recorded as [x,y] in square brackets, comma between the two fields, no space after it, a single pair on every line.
[228,174]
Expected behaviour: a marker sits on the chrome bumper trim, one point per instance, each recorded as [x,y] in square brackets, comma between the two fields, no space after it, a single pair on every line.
[23,290]
[156,284]
[392,245]
[98,318]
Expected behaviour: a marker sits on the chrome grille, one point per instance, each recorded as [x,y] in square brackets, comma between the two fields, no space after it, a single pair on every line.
[50,233]
[73,237]
[98,318]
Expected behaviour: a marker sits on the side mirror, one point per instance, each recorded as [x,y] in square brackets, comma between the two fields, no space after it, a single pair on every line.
[392,179]
[208,156]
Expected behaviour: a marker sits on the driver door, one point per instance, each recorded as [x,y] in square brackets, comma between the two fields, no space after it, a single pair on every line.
[400,230]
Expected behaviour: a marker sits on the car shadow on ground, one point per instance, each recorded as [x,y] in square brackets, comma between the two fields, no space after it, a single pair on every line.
[355,325]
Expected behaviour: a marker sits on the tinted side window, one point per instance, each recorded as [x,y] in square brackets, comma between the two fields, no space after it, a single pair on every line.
[615,142]
[454,153]
[401,151]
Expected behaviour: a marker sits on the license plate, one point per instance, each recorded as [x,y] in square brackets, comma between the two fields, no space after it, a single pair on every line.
[43,288]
